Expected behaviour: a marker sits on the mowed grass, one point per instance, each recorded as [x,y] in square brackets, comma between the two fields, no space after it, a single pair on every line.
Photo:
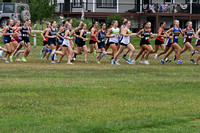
[41,97]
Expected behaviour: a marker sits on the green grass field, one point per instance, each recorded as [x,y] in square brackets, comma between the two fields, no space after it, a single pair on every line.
[41,97]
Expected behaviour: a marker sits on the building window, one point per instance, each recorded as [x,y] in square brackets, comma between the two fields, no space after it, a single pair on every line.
[78,3]
[107,3]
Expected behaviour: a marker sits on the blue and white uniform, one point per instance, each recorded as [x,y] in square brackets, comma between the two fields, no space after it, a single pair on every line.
[60,40]
[101,38]
[7,38]
[52,40]
[175,35]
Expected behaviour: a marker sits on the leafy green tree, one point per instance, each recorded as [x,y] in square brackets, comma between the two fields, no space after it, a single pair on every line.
[41,10]
[117,17]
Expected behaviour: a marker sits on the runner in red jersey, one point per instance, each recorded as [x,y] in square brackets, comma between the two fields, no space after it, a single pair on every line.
[159,42]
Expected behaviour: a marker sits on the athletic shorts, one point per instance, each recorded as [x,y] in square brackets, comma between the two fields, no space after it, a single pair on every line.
[45,43]
[81,43]
[142,42]
[52,41]
[26,40]
[112,43]
[197,44]
[123,44]
[101,45]
[14,39]
[158,42]
[7,40]
[92,42]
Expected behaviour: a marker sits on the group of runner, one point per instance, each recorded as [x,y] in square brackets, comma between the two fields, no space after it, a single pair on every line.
[60,41]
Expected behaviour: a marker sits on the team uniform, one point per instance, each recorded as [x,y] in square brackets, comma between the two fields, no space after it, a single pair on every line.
[145,40]
[93,40]
[77,38]
[160,40]
[175,35]
[121,35]
[197,41]
[81,42]
[126,39]
[66,42]
[7,38]
[189,34]
[114,39]
[101,37]
[25,35]
[52,40]
[60,40]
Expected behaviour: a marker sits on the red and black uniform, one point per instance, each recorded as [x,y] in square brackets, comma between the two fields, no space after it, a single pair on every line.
[160,40]
[189,34]
[93,40]
[197,41]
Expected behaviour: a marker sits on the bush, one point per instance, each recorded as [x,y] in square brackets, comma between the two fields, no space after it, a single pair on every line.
[117,17]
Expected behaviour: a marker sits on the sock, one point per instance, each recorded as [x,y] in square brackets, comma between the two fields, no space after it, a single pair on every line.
[52,58]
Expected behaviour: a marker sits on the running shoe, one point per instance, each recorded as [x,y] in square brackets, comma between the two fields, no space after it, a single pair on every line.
[69,63]
[53,62]
[117,63]
[174,57]
[11,59]
[155,57]
[24,59]
[113,62]
[98,62]
[86,62]
[18,60]
[146,62]
[6,61]
[141,62]
[162,61]
[167,60]
[192,61]
[4,58]
[130,62]
[196,63]
[193,52]
[42,59]
[134,62]
[95,52]
[179,62]
[103,54]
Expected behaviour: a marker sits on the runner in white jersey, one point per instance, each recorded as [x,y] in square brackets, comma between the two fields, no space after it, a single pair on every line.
[113,34]
[125,42]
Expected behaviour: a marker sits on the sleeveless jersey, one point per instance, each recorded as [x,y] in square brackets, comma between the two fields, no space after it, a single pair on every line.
[175,35]
[102,36]
[161,38]
[126,39]
[92,37]
[116,33]
[189,34]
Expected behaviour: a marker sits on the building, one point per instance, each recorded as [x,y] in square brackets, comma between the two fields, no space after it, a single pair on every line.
[154,11]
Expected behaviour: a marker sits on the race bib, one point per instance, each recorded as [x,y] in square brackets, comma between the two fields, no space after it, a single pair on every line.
[176,37]
[189,37]
[146,38]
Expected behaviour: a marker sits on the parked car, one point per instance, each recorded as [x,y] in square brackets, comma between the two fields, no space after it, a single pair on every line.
[15,11]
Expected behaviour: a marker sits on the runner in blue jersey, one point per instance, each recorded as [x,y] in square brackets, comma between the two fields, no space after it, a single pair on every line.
[175,31]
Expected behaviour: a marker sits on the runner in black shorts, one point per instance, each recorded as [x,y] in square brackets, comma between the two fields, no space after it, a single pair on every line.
[144,43]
